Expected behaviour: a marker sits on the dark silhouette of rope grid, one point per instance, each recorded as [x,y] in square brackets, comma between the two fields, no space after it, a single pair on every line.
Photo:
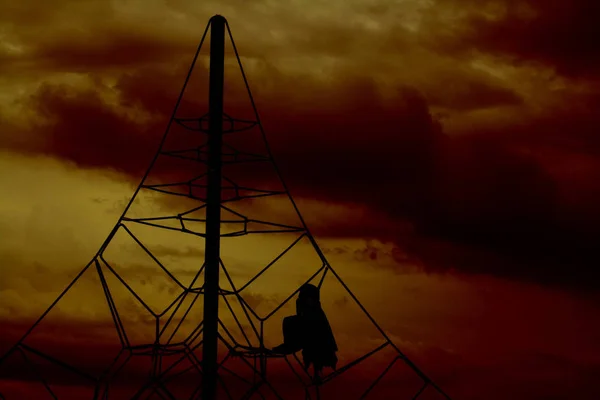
[249,348]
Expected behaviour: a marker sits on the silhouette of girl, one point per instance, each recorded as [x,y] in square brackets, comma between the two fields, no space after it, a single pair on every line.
[309,331]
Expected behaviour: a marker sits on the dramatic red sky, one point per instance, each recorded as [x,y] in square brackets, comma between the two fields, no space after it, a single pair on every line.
[445,154]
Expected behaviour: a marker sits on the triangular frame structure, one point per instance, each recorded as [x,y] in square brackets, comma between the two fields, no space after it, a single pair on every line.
[253,349]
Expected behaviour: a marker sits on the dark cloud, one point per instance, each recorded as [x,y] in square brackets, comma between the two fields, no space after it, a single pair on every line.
[486,190]
[560,34]
[100,50]
[389,154]
[109,48]
[472,94]
[87,130]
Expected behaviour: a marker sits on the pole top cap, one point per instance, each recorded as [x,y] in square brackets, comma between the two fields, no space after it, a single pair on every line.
[218,17]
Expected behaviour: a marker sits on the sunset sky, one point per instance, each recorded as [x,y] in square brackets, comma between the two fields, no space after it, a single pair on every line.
[444,153]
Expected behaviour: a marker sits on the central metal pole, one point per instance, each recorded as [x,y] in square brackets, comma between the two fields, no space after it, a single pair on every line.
[213,209]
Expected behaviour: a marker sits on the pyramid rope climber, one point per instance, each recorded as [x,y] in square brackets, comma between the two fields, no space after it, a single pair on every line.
[207,335]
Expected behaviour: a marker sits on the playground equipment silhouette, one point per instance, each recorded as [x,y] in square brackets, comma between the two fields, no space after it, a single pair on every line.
[210,339]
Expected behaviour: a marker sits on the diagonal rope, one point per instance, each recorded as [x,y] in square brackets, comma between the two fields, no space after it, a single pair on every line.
[308,232]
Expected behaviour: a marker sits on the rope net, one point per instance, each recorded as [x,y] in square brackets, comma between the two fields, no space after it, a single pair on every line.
[149,295]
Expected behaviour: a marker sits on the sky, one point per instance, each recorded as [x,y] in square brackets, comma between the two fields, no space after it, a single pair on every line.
[444,154]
